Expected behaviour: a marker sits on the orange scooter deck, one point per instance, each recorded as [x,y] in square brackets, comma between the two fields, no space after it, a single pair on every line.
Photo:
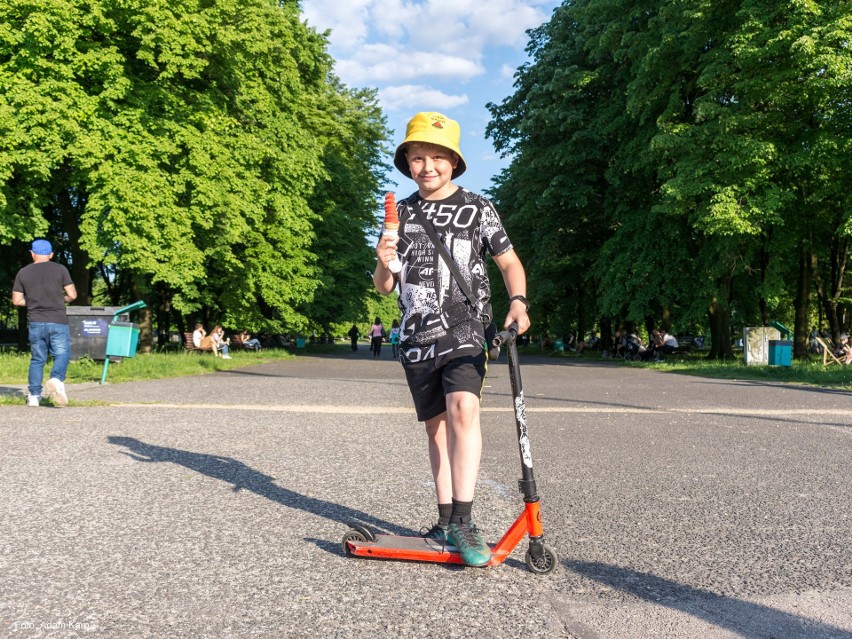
[423,549]
[413,549]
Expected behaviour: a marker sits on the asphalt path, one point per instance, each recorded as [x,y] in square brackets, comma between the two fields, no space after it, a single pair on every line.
[214,506]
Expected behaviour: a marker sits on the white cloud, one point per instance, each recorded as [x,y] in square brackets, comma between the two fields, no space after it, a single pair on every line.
[349,21]
[431,38]
[383,63]
[421,98]
[507,72]
[473,25]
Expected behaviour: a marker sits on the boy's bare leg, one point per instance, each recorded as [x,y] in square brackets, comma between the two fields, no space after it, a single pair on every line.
[464,438]
[464,443]
[436,430]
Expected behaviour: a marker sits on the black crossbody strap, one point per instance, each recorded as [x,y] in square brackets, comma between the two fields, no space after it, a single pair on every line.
[445,254]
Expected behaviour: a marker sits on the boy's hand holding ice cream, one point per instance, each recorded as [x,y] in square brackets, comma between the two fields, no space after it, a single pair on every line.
[391,231]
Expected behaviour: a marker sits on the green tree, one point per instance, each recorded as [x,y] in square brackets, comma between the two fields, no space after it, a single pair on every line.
[691,141]
[346,202]
[175,148]
[762,157]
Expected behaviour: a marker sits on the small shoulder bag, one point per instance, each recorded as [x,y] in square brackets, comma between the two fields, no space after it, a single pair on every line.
[486,315]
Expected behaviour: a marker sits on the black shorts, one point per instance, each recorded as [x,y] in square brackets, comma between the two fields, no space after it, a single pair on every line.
[429,385]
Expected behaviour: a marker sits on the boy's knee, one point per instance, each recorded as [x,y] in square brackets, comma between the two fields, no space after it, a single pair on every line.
[462,406]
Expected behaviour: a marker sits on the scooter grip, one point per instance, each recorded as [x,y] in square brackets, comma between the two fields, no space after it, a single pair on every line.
[506,335]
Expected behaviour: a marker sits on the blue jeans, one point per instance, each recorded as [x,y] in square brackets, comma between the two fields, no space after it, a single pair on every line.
[48,339]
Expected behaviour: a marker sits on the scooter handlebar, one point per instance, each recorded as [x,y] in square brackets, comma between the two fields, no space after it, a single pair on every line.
[506,335]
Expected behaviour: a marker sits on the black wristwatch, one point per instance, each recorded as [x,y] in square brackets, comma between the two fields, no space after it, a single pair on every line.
[523,299]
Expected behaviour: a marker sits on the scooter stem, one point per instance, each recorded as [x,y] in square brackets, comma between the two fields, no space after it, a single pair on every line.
[527,483]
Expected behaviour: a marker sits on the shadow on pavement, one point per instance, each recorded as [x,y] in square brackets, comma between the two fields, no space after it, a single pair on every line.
[841,392]
[747,619]
[243,477]
[13,390]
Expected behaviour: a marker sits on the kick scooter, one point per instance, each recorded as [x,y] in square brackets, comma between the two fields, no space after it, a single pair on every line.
[360,541]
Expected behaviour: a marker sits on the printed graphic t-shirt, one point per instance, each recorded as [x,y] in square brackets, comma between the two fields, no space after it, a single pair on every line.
[437,319]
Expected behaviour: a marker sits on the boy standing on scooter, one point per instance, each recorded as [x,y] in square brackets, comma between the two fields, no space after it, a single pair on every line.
[443,337]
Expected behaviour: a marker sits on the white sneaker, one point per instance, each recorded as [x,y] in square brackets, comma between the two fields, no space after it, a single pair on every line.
[226,357]
[56,390]
[33,400]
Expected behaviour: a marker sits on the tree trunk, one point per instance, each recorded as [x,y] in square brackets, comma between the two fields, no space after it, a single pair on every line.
[763,258]
[163,314]
[719,317]
[79,267]
[181,325]
[830,293]
[649,326]
[606,334]
[801,303]
[143,316]
[581,316]
[666,319]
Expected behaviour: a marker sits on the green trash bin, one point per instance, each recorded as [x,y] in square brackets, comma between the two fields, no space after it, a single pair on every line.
[122,339]
[780,352]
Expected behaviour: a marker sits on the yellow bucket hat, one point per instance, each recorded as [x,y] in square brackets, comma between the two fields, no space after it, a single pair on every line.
[431,127]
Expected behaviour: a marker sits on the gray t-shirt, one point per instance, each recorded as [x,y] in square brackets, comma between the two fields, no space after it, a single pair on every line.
[437,319]
[43,285]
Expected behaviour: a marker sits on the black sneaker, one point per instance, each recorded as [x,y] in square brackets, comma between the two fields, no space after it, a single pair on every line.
[436,532]
[470,544]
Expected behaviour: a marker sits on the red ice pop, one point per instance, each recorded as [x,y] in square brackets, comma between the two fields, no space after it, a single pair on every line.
[391,228]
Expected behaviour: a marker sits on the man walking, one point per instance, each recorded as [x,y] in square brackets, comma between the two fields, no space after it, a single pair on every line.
[44,287]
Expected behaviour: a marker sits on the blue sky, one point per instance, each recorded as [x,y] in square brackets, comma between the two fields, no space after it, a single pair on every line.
[452,56]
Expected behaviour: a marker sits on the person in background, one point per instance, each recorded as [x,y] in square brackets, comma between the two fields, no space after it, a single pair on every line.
[394,338]
[843,348]
[249,342]
[198,335]
[377,336]
[219,343]
[353,336]
[665,344]
[670,344]
[589,344]
[44,287]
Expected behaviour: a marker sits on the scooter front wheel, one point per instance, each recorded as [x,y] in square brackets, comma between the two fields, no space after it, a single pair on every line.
[543,564]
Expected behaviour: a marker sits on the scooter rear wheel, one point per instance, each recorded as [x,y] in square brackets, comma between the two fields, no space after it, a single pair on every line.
[352,535]
[544,564]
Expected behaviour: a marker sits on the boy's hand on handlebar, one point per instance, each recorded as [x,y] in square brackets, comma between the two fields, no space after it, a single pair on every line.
[518,315]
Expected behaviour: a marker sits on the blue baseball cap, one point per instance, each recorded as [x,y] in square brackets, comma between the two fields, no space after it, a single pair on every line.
[42,247]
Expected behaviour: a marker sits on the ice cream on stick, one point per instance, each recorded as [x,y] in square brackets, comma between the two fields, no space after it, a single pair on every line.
[392,228]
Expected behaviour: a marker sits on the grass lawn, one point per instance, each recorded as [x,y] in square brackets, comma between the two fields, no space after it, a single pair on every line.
[811,373]
[14,367]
